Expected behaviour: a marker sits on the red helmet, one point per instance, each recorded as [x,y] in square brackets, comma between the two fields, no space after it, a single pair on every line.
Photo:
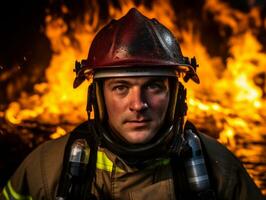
[135,45]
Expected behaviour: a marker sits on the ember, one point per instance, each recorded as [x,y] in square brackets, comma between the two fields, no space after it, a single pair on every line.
[229,104]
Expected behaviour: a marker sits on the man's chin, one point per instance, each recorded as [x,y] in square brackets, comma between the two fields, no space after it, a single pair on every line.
[138,138]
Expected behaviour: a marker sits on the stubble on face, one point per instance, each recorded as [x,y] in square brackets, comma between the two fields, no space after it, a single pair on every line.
[136,107]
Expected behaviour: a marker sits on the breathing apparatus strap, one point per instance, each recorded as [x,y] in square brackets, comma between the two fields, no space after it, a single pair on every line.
[179,120]
[180,183]
[183,167]
[83,131]
[181,187]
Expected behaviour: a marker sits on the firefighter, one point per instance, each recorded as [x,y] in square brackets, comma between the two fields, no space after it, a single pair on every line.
[136,143]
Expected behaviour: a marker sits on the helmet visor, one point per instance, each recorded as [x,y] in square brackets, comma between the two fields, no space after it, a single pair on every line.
[134,71]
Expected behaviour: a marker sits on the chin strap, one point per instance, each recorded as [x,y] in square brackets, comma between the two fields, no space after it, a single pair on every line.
[179,143]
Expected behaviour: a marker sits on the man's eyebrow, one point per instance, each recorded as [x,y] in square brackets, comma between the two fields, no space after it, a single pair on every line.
[117,81]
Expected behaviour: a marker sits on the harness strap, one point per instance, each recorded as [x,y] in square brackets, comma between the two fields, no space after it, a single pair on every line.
[182,188]
[83,131]
[179,178]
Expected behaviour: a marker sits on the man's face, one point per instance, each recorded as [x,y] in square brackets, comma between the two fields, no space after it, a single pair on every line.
[136,106]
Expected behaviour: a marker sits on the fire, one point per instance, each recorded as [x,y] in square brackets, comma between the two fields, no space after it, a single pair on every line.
[56,101]
[228,98]
[59,133]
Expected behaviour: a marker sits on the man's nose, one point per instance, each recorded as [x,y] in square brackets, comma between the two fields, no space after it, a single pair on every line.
[138,101]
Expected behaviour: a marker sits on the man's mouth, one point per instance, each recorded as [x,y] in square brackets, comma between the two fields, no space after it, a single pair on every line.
[142,122]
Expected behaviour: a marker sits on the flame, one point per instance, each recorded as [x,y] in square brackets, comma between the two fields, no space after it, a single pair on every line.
[55,101]
[58,133]
[227,98]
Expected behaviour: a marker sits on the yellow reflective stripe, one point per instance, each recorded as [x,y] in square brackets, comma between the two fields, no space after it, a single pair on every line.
[160,163]
[104,163]
[165,162]
[5,194]
[15,194]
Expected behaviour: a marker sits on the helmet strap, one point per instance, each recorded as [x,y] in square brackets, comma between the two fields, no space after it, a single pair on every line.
[181,105]
[100,100]
[174,85]
[180,111]
[90,99]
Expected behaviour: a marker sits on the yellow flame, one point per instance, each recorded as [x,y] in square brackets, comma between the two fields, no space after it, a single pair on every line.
[59,133]
[227,137]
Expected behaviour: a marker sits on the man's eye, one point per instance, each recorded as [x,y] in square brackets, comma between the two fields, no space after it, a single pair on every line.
[155,86]
[120,89]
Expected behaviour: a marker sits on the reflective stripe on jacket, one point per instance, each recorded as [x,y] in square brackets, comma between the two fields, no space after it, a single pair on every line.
[37,177]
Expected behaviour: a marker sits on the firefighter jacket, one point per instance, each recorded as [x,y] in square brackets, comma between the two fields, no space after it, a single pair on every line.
[38,175]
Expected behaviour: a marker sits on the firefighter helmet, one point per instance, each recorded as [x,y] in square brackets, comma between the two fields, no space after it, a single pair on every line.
[133,45]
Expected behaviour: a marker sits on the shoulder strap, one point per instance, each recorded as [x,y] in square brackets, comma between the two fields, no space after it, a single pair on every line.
[84,131]
[190,166]
[210,192]
[181,186]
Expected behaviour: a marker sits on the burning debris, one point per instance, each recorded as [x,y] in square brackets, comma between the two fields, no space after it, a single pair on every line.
[229,104]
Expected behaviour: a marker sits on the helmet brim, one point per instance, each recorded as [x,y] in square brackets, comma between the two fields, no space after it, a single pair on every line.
[135,69]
